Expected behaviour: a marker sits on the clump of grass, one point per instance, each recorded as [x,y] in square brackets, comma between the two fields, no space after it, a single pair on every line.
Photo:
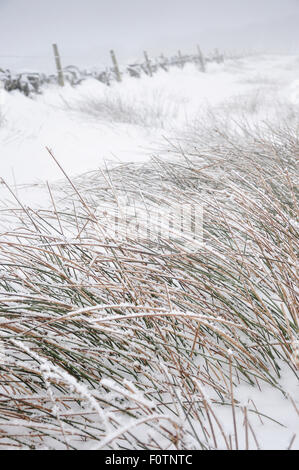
[139,343]
[151,110]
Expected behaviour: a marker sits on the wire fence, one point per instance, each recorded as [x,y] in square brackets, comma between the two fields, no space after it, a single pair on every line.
[32,82]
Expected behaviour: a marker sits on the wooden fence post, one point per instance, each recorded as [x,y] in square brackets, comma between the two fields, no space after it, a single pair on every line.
[58,65]
[181,60]
[201,59]
[148,64]
[163,62]
[115,64]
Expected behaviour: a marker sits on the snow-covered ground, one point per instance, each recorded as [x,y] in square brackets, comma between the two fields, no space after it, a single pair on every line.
[127,122]
[92,124]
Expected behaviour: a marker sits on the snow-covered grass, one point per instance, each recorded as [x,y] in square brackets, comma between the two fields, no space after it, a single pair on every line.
[168,101]
[150,342]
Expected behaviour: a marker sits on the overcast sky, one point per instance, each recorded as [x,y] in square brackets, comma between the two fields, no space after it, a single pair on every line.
[86,30]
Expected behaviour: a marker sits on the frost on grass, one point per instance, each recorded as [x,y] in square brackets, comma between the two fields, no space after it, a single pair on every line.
[153,109]
[143,343]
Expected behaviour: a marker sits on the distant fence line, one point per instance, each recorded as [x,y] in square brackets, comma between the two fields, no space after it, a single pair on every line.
[31,82]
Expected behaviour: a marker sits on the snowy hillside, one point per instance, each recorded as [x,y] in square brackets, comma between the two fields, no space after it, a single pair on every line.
[127,122]
[170,342]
